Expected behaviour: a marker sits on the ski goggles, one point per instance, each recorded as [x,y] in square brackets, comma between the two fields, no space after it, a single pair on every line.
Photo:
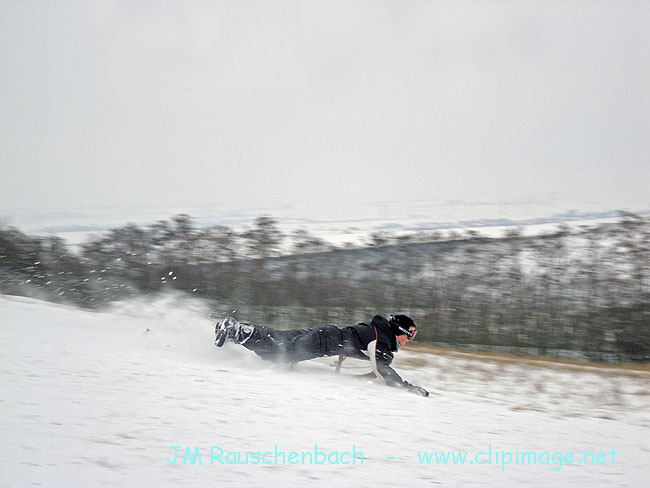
[409,334]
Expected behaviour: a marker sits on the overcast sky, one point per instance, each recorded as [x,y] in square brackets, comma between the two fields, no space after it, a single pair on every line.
[137,102]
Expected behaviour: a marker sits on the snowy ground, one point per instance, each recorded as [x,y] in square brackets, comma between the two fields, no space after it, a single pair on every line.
[94,399]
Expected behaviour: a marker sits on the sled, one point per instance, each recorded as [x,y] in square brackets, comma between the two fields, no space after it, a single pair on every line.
[372,348]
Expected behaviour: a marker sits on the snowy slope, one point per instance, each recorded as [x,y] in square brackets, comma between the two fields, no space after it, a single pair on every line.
[94,399]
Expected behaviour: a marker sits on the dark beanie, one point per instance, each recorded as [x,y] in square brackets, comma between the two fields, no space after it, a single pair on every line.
[400,320]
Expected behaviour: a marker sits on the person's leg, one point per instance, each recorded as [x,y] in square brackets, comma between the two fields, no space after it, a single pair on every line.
[324,340]
[271,344]
[289,346]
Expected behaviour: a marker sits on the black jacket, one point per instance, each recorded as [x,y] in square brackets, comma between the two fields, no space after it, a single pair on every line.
[357,337]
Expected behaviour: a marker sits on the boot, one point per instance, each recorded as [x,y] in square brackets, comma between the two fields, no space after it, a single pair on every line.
[232,331]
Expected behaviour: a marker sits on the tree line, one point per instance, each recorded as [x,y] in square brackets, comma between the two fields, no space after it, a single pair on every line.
[580,292]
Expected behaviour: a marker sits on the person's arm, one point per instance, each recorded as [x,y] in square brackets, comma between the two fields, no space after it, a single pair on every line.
[384,358]
[390,376]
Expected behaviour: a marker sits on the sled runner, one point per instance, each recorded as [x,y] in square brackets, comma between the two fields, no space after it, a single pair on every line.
[372,348]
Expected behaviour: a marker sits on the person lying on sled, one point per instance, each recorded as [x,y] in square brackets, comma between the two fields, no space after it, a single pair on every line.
[378,338]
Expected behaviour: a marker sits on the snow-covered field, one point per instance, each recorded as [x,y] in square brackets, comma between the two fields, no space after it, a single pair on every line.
[339,222]
[99,398]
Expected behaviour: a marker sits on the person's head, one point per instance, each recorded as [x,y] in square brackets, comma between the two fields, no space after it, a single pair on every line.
[403,327]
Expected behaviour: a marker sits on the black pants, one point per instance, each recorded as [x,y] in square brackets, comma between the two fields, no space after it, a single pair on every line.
[292,346]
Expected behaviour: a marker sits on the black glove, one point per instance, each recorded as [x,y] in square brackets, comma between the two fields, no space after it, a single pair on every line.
[419,390]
